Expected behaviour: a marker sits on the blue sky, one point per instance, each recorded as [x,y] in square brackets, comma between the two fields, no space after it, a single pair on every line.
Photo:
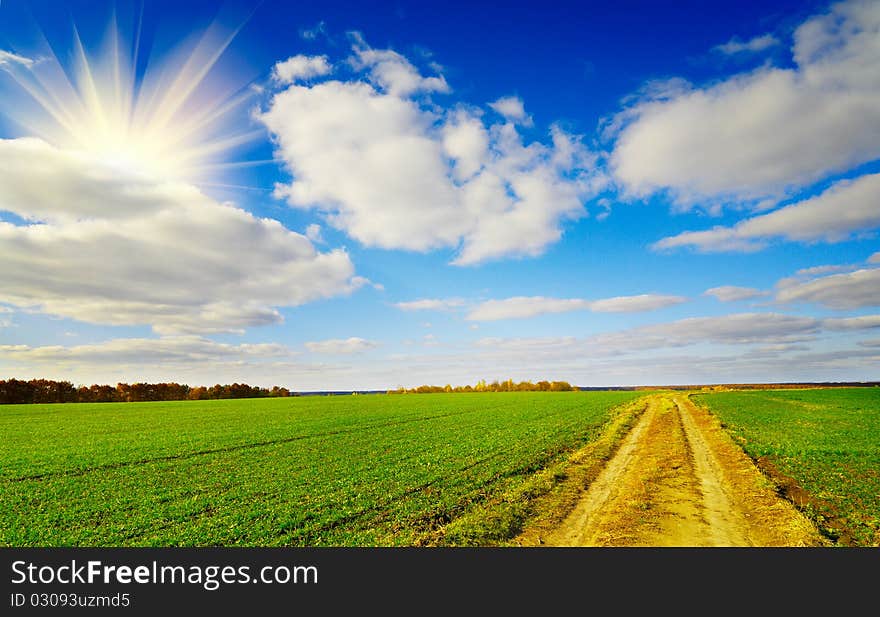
[332,195]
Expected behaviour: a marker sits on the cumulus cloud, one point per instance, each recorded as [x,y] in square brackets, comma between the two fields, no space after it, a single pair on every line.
[108,246]
[300,68]
[394,169]
[522,307]
[874,259]
[430,304]
[731,293]
[351,345]
[512,108]
[839,291]
[754,45]
[847,207]
[764,133]
[392,72]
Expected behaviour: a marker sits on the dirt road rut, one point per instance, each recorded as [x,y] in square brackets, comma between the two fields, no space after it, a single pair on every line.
[679,480]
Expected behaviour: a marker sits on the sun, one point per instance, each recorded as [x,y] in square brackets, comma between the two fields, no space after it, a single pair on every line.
[178,119]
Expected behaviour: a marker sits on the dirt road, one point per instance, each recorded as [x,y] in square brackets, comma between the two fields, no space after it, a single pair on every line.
[679,480]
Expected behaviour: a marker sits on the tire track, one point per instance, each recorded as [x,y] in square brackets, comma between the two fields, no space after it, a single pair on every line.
[679,480]
[726,525]
[578,528]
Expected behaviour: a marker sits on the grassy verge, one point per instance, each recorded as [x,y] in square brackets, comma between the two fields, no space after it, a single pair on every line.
[820,447]
[527,508]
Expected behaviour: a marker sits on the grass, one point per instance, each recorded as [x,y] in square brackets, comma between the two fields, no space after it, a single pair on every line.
[827,440]
[305,471]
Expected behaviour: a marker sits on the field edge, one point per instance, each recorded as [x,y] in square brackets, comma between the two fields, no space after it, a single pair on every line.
[820,513]
[520,515]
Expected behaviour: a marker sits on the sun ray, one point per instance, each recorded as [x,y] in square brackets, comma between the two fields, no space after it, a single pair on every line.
[190,78]
[170,122]
[199,122]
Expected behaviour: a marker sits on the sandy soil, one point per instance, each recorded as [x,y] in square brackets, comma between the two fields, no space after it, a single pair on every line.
[677,479]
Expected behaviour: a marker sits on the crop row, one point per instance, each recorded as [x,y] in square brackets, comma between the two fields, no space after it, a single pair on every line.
[367,470]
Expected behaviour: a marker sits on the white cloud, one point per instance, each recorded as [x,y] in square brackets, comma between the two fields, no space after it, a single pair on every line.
[839,291]
[845,208]
[392,72]
[112,247]
[39,182]
[351,345]
[753,45]
[874,259]
[736,329]
[6,322]
[512,108]
[870,343]
[761,134]
[522,307]
[8,59]
[466,142]
[863,322]
[310,34]
[529,345]
[300,68]
[815,270]
[142,351]
[731,293]
[184,359]
[734,348]
[644,351]
[635,304]
[431,304]
[313,233]
[395,171]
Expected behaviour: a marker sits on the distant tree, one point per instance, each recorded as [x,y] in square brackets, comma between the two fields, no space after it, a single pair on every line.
[17,391]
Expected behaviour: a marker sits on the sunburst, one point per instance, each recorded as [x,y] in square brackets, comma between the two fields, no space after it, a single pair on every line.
[171,121]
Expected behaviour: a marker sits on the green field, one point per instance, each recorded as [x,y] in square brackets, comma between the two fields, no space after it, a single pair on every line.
[828,440]
[305,471]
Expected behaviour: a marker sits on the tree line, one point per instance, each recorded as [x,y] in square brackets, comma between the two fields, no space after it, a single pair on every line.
[50,391]
[495,386]
[18,391]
